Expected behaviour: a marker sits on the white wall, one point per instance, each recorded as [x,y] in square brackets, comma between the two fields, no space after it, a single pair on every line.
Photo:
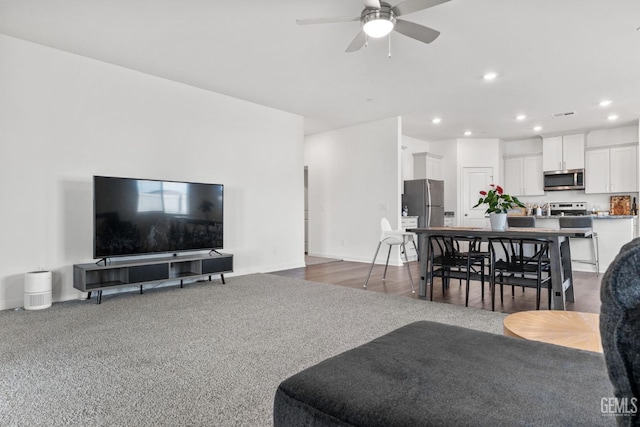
[523,147]
[65,118]
[613,136]
[354,181]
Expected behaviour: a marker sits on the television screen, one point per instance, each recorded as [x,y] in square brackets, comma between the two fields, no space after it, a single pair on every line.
[142,216]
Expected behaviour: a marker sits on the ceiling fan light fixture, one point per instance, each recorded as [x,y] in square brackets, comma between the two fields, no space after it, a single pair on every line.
[490,76]
[378,23]
[377,28]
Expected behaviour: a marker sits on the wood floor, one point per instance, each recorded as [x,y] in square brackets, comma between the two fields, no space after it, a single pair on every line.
[353,275]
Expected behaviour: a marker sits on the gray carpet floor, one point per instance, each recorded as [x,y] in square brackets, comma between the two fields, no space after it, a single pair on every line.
[206,355]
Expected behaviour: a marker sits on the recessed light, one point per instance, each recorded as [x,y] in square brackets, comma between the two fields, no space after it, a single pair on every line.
[467,133]
[605,102]
[612,117]
[490,76]
[537,128]
[436,120]
[521,117]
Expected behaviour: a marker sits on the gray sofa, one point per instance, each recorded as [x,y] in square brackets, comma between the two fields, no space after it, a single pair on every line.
[620,330]
[431,374]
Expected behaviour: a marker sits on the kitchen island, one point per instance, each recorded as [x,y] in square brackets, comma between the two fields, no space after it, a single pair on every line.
[614,231]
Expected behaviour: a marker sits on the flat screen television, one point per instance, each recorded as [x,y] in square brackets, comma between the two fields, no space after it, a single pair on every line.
[142,216]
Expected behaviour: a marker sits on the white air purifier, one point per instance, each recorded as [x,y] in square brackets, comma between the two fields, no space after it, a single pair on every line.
[37,290]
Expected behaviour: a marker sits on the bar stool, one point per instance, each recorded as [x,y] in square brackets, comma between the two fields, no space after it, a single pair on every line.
[584,222]
[521,221]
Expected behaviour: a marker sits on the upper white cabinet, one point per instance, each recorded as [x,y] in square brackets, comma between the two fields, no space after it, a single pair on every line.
[427,165]
[612,170]
[533,177]
[523,176]
[563,152]
[623,162]
[596,171]
[434,167]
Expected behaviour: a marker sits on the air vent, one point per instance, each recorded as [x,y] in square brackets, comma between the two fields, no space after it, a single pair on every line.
[565,114]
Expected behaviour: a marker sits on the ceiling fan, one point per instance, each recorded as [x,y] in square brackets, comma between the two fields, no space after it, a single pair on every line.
[379,18]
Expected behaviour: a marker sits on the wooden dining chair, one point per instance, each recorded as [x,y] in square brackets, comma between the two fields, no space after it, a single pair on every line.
[456,257]
[520,222]
[519,262]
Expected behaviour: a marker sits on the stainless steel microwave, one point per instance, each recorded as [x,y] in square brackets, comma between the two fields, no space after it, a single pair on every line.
[572,179]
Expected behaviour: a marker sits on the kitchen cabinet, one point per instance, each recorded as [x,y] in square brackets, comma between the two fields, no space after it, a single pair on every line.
[409,222]
[434,167]
[596,179]
[523,176]
[427,166]
[611,170]
[623,164]
[563,152]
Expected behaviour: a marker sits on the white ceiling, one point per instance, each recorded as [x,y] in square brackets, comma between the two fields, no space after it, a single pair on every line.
[551,56]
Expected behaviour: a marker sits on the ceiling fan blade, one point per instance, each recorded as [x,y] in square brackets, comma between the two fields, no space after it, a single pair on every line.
[410,6]
[358,42]
[375,4]
[327,20]
[416,31]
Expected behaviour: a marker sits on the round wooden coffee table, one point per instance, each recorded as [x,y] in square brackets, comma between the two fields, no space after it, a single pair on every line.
[567,328]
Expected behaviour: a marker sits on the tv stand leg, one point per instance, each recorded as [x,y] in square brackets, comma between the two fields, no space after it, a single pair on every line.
[222,277]
[181,284]
[99,297]
[140,289]
[89,295]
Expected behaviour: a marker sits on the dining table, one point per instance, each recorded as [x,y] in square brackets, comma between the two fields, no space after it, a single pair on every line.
[559,253]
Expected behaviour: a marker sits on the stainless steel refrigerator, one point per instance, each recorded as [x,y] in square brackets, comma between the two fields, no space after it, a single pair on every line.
[425,199]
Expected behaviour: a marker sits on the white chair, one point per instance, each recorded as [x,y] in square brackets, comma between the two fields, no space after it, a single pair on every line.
[393,238]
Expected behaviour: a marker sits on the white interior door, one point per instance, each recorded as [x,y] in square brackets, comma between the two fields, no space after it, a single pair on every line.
[474,180]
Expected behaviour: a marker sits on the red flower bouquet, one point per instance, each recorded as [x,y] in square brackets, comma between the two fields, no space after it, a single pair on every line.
[497,200]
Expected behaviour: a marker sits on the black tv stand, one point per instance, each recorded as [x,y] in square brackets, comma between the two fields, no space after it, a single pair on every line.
[95,277]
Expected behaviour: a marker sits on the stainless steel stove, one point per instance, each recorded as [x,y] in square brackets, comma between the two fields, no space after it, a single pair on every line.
[568,208]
